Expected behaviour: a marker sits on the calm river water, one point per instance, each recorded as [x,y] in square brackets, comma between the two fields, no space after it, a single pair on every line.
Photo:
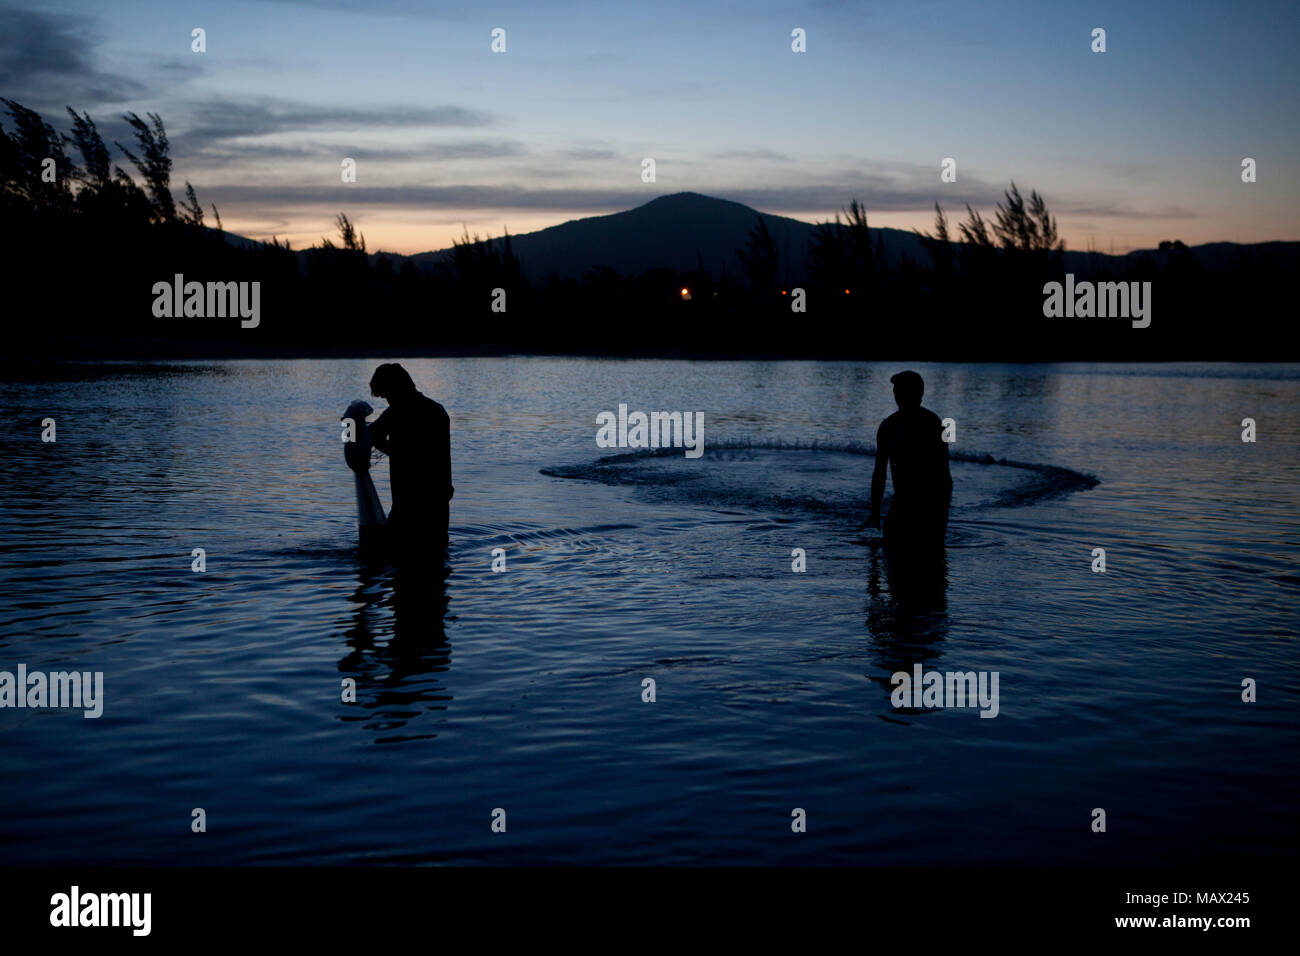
[522,690]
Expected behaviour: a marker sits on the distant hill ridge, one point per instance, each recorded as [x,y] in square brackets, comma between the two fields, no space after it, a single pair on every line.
[683,231]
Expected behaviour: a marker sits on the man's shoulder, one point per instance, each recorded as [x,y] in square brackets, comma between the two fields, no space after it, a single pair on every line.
[892,421]
[431,407]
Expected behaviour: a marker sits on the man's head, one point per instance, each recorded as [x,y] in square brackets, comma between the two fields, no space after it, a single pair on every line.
[908,389]
[391,381]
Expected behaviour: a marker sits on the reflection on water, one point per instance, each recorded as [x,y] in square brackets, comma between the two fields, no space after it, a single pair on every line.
[907,609]
[398,649]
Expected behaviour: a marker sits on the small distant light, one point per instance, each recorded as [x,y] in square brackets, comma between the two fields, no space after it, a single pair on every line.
[783,291]
[846,291]
[686,295]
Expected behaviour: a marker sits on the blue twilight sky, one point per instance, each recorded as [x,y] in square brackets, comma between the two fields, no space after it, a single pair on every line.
[1138,144]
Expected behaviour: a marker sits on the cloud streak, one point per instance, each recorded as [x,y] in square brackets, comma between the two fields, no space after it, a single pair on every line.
[477,150]
[47,62]
[777,199]
[220,121]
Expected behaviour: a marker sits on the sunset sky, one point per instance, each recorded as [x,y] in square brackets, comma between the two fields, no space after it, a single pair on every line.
[1138,144]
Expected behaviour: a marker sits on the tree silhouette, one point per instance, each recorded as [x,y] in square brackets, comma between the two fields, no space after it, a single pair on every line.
[97,170]
[759,260]
[843,259]
[939,245]
[33,142]
[353,241]
[190,212]
[1025,229]
[154,163]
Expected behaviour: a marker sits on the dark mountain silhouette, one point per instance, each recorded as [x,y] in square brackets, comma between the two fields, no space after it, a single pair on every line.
[680,232]
[1208,255]
[683,231]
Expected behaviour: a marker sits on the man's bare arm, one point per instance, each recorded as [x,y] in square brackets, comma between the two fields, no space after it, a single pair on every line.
[878,476]
[379,434]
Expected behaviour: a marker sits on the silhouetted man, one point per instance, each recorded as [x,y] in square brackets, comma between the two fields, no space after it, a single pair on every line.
[415,433]
[910,442]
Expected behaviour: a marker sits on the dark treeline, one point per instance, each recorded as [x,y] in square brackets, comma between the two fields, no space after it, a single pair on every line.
[89,229]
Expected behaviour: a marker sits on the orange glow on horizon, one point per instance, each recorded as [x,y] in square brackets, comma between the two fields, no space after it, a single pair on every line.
[412,231]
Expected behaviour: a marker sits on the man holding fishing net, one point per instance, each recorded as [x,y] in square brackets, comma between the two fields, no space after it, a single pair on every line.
[415,433]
